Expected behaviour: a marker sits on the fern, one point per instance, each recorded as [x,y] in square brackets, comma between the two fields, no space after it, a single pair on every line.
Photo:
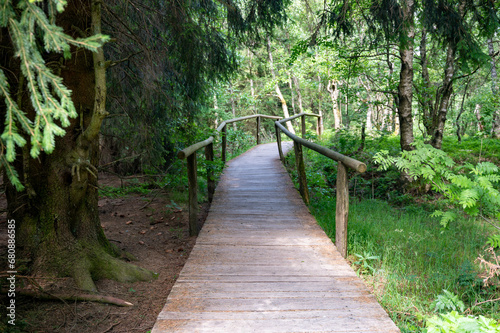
[471,188]
[494,241]
[447,301]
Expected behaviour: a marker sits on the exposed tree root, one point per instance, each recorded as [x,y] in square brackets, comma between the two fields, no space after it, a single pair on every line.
[43,295]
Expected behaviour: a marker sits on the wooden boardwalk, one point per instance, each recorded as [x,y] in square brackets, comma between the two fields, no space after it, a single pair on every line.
[262,264]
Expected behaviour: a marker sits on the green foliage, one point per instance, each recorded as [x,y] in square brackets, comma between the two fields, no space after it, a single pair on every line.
[453,322]
[365,263]
[472,188]
[29,27]
[446,302]
[494,241]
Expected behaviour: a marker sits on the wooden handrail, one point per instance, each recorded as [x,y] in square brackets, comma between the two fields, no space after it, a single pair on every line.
[189,154]
[342,210]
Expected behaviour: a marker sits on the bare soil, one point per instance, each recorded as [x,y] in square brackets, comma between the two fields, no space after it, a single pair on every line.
[145,226]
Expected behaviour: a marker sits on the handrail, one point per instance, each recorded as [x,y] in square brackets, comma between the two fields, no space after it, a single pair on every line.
[342,210]
[189,153]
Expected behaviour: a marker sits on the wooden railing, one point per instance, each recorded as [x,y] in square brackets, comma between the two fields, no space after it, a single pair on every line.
[189,153]
[342,210]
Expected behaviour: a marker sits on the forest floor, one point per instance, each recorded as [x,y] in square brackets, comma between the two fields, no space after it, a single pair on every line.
[150,227]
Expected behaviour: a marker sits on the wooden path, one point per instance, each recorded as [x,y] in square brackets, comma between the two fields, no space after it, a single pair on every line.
[262,264]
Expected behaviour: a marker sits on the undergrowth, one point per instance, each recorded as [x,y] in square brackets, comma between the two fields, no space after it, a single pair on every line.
[396,244]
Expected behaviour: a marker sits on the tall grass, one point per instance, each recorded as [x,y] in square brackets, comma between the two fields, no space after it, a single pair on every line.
[417,259]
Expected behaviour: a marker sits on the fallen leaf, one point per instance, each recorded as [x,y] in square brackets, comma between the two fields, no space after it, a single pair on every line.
[142,232]
[128,222]
[141,242]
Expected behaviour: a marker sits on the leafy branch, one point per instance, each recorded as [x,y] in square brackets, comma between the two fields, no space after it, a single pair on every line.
[30,27]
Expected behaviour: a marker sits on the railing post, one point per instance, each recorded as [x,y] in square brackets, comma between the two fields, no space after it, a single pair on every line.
[224,144]
[303,123]
[258,128]
[319,126]
[193,195]
[301,171]
[342,211]
[209,155]
[278,140]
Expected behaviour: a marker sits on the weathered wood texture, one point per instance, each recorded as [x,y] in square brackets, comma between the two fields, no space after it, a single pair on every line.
[262,264]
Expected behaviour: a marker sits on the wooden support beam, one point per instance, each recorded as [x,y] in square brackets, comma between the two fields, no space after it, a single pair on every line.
[209,155]
[319,126]
[258,129]
[278,140]
[224,144]
[193,195]
[342,211]
[301,171]
[303,123]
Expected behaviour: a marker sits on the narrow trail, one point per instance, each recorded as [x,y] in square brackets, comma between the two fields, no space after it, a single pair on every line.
[262,264]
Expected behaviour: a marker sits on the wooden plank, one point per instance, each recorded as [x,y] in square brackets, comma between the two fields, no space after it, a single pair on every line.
[338,324]
[267,290]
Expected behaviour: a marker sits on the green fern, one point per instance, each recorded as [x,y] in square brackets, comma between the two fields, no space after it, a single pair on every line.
[494,241]
[471,188]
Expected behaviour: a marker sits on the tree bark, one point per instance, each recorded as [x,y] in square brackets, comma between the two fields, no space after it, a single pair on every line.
[495,128]
[57,220]
[405,87]
[233,103]
[443,95]
[299,95]
[425,97]
[286,114]
[334,95]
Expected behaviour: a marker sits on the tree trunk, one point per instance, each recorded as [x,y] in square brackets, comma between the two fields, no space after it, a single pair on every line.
[277,87]
[443,95]
[334,95]
[477,113]
[233,103]
[495,128]
[57,218]
[216,108]
[320,108]
[405,87]
[290,85]
[299,95]
[425,96]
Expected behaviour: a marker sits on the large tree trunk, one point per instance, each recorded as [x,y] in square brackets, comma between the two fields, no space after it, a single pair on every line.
[57,218]
[286,114]
[405,87]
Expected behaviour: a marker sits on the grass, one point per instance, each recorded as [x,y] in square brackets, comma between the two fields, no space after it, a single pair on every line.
[417,261]
[413,259]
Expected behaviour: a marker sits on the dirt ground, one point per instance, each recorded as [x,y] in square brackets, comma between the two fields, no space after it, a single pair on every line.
[146,226]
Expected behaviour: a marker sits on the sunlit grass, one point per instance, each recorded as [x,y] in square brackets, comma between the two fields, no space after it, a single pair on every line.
[418,260]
